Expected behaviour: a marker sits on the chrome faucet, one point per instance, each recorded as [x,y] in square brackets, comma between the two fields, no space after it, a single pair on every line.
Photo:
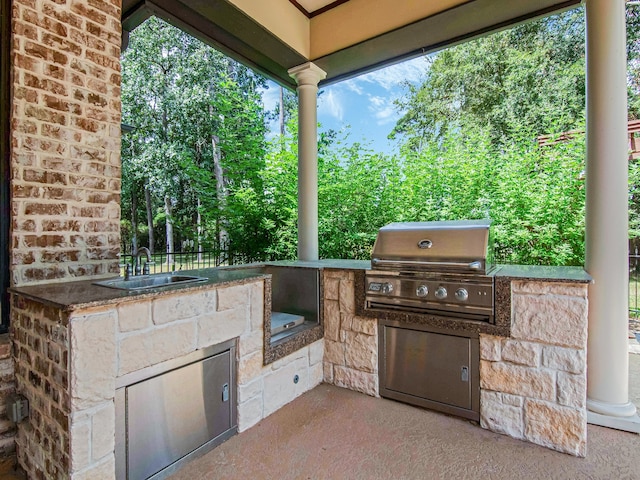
[138,266]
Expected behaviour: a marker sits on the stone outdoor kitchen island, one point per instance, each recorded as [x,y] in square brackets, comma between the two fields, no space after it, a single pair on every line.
[69,355]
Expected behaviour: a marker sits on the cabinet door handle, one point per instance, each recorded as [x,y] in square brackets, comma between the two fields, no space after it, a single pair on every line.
[225,392]
[465,374]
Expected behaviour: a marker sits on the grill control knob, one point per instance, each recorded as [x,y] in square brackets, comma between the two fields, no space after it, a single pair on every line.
[462,295]
[422,291]
[387,288]
[441,293]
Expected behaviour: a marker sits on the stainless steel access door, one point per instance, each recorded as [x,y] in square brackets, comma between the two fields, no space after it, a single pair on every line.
[433,370]
[172,414]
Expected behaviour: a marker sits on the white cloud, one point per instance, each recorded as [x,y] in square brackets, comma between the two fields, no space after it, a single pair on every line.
[390,77]
[330,103]
[270,96]
[382,109]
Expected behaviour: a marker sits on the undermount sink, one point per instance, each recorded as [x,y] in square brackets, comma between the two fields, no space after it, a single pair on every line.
[149,281]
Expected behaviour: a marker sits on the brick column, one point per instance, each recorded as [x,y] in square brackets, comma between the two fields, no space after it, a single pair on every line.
[65,139]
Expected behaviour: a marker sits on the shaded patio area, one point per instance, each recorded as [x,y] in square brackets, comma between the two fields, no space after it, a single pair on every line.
[333,433]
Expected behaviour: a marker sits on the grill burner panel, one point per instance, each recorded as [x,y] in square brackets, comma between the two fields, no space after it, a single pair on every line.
[438,294]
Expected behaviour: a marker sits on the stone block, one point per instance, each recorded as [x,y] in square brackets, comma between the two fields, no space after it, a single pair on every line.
[80,444]
[316,352]
[249,413]
[249,367]
[301,354]
[334,352]
[217,327]
[181,307]
[572,390]
[490,347]
[368,326]
[231,297]
[331,320]
[521,353]
[356,380]
[250,342]
[550,288]
[256,310]
[518,380]
[565,359]
[92,359]
[103,432]
[361,352]
[105,470]
[513,400]
[331,288]
[338,274]
[134,316]
[551,319]
[316,375]
[556,427]
[346,324]
[500,417]
[327,372]
[141,350]
[347,296]
[250,390]
[280,386]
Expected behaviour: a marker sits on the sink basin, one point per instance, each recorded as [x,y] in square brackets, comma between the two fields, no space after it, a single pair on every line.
[149,281]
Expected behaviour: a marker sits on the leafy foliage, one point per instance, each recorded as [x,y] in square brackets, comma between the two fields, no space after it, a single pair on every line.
[470,149]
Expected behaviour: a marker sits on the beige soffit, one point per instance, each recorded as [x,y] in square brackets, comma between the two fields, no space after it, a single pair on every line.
[282,19]
[359,20]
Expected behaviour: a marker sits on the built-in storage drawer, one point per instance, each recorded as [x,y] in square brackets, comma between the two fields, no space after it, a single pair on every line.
[432,369]
[180,409]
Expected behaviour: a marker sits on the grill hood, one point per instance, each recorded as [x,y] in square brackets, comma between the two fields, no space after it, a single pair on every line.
[460,246]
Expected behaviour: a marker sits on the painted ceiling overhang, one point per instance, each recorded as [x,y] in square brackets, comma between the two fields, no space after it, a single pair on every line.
[344,38]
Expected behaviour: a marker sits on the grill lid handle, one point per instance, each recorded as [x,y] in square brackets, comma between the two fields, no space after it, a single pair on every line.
[399,263]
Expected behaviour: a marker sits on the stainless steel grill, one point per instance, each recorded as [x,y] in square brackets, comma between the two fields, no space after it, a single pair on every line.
[433,267]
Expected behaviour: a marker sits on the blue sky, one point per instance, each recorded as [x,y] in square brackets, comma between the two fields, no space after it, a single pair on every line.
[364,103]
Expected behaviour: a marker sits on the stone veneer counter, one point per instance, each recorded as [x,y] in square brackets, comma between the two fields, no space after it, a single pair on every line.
[75,295]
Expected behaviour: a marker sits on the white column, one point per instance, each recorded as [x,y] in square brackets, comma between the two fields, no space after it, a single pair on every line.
[607,217]
[307,77]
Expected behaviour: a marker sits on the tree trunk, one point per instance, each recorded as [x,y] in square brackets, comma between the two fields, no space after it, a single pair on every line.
[199,229]
[147,198]
[134,218]
[169,231]
[281,112]
[221,193]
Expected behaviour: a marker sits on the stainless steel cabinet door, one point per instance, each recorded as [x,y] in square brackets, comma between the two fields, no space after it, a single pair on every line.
[428,365]
[171,415]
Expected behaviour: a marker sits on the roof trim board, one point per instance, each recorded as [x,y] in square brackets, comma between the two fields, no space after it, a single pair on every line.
[229,29]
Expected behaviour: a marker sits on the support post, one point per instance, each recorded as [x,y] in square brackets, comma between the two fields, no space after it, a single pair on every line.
[307,77]
[607,218]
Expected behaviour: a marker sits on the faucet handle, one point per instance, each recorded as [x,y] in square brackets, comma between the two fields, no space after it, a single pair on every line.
[145,269]
[127,270]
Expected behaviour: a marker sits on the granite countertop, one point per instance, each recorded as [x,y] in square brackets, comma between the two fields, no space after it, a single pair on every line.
[520,272]
[82,294]
[539,272]
[338,264]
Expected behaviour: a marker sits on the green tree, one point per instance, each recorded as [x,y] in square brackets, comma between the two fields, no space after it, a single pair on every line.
[529,78]
[199,135]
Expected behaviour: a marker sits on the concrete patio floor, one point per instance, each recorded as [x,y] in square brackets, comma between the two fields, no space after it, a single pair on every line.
[333,433]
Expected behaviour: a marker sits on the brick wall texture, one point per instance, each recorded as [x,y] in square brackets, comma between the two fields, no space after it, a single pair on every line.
[41,355]
[65,134]
[7,387]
